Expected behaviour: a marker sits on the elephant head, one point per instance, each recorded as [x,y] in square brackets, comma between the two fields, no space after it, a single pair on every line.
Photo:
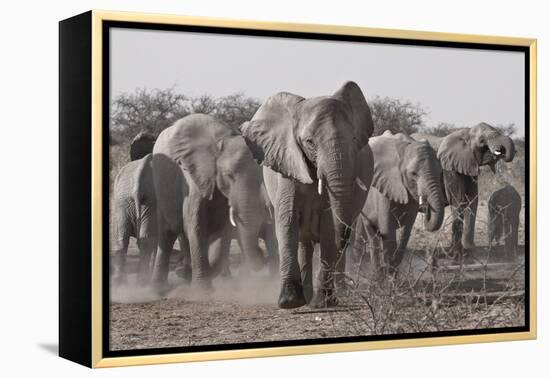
[404,170]
[321,140]
[141,145]
[465,150]
[217,160]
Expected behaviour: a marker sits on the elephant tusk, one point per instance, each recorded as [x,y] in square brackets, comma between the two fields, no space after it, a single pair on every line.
[320,187]
[231,219]
[361,185]
[420,201]
[497,153]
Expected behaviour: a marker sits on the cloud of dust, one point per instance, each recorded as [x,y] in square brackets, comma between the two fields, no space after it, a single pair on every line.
[243,287]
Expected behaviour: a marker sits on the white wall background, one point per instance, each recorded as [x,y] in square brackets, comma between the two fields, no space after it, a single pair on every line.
[29,190]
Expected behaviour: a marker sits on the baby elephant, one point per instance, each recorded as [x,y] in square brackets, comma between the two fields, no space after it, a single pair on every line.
[504,207]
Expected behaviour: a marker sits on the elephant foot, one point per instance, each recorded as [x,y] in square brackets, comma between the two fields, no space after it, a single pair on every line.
[185,273]
[324,298]
[291,295]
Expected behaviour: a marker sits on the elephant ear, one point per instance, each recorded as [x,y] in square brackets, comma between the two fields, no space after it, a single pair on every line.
[195,144]
[387,178]
[351,94]
[270,135]
[456,155]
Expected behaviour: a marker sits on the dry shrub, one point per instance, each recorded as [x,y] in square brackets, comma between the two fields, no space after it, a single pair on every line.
[432,292]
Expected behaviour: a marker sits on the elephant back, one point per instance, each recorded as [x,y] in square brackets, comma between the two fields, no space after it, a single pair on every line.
[194,143]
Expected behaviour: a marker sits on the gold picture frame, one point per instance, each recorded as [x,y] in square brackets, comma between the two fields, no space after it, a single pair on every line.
[73,324]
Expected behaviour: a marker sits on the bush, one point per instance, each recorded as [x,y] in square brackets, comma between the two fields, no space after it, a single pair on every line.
[396,115]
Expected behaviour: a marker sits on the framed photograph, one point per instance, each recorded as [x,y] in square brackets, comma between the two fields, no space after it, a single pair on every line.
[234,189]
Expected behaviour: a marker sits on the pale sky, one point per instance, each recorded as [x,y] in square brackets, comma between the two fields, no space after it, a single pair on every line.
[461,86]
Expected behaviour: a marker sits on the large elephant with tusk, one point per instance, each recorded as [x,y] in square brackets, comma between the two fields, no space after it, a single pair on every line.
[407,177]
[317,169]
[205,180]
[461,154]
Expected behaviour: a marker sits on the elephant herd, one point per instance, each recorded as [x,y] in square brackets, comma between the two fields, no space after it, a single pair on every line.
[302,171]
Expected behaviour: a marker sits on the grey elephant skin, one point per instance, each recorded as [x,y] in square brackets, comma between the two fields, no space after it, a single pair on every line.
[266,233]
[202,168]
[317,170]
[407,176]
[461,154]
[504,207]
[135,215]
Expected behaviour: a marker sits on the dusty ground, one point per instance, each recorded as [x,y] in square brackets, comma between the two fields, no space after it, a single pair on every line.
[244,308]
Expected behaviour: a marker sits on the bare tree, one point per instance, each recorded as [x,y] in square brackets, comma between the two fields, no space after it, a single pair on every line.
[441,129]
[236,108]
[396,115]
[145,110]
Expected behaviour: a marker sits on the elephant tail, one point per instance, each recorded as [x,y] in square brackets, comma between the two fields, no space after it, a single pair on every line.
[142,190]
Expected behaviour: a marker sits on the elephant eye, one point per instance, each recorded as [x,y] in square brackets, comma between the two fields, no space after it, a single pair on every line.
[309,143]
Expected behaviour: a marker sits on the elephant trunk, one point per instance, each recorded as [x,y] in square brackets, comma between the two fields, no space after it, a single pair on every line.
[248,239]
[338,175]
[503,143]
[508,144]
[247,219]
[435,211]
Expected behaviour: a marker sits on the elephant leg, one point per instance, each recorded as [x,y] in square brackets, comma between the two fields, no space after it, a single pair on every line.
[342,265]
[305,260]
[120,274]
[491,229]
[166,242]
[123,230]
[219,254]
[515,232]
[389,250]
[470,214]
[146,247]
[511,238]
[361,249]
[200,265]
[244,264]
[324,296]
[374,248]
[404,236]
[183,270]
[291,294]
[457,250]
[271,249]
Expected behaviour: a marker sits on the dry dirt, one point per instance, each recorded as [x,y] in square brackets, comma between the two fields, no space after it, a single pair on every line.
[243,309]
